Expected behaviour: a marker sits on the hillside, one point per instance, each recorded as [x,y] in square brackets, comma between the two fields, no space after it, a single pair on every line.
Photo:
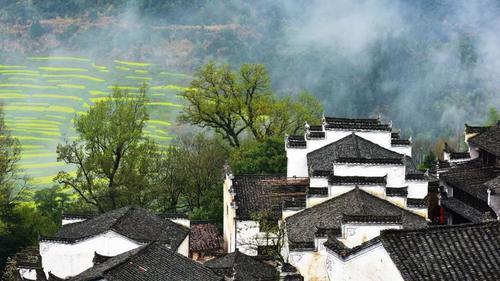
[41,95]
[422,64]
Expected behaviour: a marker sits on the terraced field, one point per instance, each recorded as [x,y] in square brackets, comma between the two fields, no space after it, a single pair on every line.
[41,96]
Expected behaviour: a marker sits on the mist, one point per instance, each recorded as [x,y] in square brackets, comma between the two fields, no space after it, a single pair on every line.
[430,66]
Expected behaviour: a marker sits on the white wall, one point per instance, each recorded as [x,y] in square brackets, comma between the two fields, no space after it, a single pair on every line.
[318,181]
[183,248]
[65,221]
[406,150]
[336,190]
[297,157]
[372,264]
[473,151]
[228,217]
[417,189]
[395,173]
[28,273]
[297,162]
[354,234]
[382,138]
[247,237]
[311,264]
[65,259]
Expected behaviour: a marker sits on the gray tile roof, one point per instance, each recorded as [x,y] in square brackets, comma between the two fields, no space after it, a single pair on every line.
[461,252]
[488,140]
[471,178]
[355,124]
[266,193]
[343,251]
[242,267]
[133,222]
[354,180]
[348,149]
[152,262]
[302,227]
[464,210]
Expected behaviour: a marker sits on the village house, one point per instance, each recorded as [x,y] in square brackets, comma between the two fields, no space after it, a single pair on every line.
[459,252]
[471,188]
[154,262]
[82,239]
[346,178]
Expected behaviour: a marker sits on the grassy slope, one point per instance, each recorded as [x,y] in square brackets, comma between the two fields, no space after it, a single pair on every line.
[41,96]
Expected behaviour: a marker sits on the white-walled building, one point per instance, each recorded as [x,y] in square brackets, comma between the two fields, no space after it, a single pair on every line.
[73,248]
[152,262]
[463,252]
[359,162]
[352,218]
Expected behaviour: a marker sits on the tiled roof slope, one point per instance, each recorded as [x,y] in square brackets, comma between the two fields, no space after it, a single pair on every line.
[204,236]
[244,267]
[152,262]
[464,210]
[133,222]
[355,124]
[356,203]
[471,178]
[349,148]
[462,252]
[266,193]
[488,140]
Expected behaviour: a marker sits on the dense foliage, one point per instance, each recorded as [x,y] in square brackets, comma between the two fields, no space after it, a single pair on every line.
[241,103]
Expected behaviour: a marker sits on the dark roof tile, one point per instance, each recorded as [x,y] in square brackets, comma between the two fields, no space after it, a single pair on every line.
[488,140]
[351,148]
[242,267]
[266,193]
[302,226]
[471,178]
[152,262]
[133,222]
[461,252]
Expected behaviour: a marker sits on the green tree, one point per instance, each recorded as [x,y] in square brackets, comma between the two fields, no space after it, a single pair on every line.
[111,153]
[171,176]
[266,157]
[493,116]
[203,167]
[429,161]
[237,102]
[10,191]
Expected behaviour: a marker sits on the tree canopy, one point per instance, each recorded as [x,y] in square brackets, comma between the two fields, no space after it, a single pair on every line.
[238,103]
[111,153]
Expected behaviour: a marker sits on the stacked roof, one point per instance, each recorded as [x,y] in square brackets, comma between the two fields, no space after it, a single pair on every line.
[471,178]
[355,124]
[351,149]
[353,206]
[133,222]
[267,193]
[152,262]
[488,140]
[462,252]
[241,267]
